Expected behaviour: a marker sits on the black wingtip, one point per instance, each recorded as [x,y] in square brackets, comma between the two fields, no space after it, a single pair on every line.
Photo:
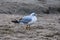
[15,21]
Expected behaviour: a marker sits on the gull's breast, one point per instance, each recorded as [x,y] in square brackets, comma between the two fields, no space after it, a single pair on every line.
[34,19]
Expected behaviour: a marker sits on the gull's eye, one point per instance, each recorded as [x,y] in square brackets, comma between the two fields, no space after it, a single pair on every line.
[34,14]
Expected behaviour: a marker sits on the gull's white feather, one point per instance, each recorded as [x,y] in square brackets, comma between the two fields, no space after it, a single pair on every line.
[30,19]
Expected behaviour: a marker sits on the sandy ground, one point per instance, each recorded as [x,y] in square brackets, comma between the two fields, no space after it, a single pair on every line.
[46,28]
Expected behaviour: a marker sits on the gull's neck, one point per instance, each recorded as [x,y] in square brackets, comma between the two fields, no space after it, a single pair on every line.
[32,14]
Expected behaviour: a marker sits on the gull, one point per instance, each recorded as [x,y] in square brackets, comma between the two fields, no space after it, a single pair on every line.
[28,20]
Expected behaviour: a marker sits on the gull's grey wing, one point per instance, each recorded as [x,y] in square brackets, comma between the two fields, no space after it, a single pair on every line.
[26,20]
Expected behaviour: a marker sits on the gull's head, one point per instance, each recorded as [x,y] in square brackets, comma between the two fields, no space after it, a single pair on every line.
[33,14]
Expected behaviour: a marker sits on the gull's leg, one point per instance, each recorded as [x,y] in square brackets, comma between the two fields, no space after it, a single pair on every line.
[28,27]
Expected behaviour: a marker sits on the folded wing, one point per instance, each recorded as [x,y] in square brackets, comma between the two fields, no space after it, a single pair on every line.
[25,20]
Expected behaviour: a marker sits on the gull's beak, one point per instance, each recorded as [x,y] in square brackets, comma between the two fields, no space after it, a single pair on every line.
[35,14]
